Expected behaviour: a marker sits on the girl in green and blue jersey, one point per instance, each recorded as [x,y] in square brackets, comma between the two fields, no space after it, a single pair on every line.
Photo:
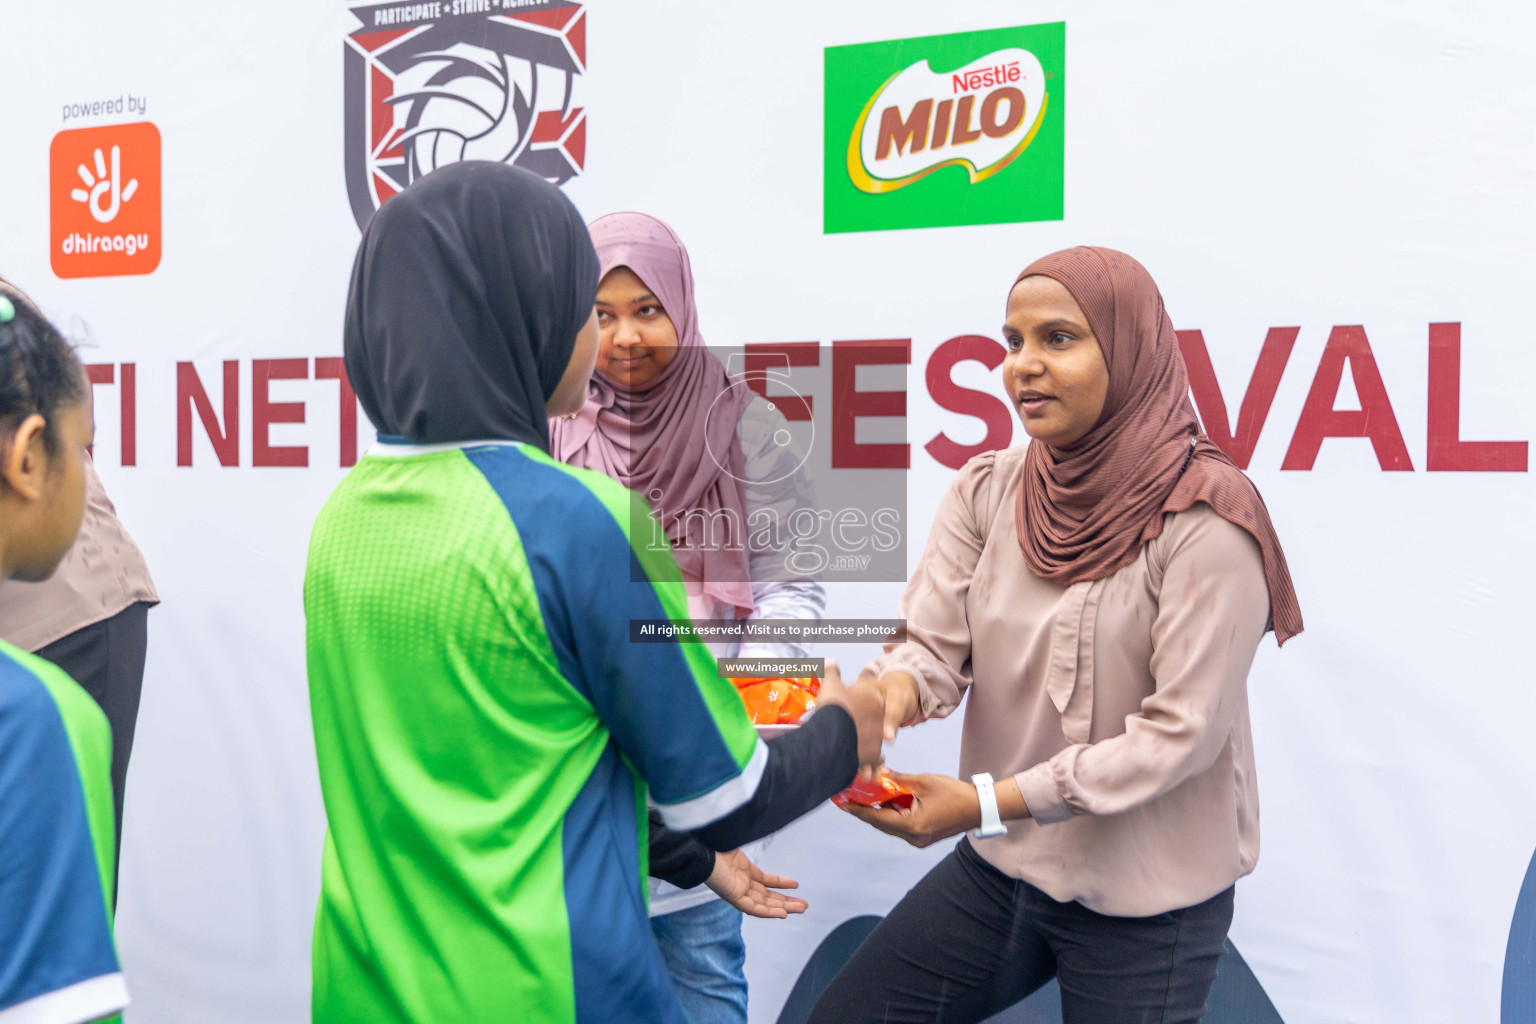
[489,720]
[58,964]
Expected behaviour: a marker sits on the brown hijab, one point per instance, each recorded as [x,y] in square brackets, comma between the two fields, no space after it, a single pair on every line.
[1085,512]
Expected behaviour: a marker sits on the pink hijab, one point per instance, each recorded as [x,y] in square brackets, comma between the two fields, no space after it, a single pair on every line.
[657,438]
[1085,512]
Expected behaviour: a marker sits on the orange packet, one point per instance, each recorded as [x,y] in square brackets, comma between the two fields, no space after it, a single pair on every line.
[762,700]
[778,701]
[799,701]
[881,793]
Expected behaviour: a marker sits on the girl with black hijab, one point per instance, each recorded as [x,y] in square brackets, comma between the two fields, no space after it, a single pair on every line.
[488,716]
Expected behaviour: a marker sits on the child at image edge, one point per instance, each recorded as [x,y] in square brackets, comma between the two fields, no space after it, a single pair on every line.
[58,964]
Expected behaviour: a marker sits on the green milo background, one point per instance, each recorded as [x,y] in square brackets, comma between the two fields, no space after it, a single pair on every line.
[1029,189]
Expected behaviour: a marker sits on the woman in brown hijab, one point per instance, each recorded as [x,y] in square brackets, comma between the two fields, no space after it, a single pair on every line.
[1101,593]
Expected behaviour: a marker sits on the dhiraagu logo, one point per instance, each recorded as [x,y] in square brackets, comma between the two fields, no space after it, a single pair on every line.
[945,130]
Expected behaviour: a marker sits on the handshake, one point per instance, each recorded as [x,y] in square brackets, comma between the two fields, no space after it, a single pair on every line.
[878,706]
[933,808]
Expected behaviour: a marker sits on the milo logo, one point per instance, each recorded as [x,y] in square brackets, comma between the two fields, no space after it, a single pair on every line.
[980,117]
[945,130]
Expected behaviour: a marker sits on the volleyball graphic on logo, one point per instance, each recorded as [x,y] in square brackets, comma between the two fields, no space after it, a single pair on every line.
[427,92]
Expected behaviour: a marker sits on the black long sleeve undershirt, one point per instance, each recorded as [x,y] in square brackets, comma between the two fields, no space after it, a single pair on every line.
[805,768]
[677,857]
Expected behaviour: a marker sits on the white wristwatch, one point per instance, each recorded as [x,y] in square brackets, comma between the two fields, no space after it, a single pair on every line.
[991,820]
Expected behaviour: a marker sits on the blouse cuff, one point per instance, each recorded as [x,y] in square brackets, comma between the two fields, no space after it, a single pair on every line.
[1038,788]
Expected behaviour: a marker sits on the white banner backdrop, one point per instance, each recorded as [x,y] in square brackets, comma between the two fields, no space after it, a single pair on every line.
[1332,165]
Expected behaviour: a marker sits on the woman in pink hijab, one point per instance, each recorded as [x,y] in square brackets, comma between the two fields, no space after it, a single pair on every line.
[663,418]
[1099,593]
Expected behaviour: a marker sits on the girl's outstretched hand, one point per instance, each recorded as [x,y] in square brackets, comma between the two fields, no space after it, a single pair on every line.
[750,889]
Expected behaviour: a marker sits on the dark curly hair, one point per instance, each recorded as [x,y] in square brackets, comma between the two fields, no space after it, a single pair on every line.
[39,371]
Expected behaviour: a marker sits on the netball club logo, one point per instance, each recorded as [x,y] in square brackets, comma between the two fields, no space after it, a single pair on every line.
[430,84]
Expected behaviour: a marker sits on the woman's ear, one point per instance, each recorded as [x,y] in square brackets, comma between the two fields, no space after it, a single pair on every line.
[25,462]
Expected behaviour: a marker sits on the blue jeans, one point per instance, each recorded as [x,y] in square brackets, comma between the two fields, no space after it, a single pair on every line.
[706,957]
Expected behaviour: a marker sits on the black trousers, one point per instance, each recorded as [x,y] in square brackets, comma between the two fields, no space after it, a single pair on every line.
[968,942]
[107,659]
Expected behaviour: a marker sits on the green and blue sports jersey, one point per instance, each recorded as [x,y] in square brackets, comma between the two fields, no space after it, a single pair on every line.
[57,959]
[486,732]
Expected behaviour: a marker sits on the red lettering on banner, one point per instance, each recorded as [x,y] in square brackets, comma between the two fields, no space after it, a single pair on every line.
[335,368]
[1374,419]
[97,373]
[988,408]
[128,413]
[225,437]
[1447,451]
[1241,440]
[104,373]
[265,412]
[762,358]
[849,404]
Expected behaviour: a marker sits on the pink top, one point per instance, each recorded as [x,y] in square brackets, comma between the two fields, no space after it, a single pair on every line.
[1120,703]
[102,574]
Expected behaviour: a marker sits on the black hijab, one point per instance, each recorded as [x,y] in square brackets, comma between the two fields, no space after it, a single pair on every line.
[467,295]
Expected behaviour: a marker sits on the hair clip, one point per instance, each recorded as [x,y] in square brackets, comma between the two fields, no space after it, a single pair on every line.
[7,310]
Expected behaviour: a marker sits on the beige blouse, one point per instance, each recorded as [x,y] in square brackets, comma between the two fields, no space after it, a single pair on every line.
[1120,704]
[102,574]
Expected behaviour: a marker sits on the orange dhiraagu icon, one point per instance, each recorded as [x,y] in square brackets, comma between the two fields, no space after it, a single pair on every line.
[980,117]
[104,200]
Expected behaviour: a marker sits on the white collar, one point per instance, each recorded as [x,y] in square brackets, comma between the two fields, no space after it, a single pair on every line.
[390,450]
